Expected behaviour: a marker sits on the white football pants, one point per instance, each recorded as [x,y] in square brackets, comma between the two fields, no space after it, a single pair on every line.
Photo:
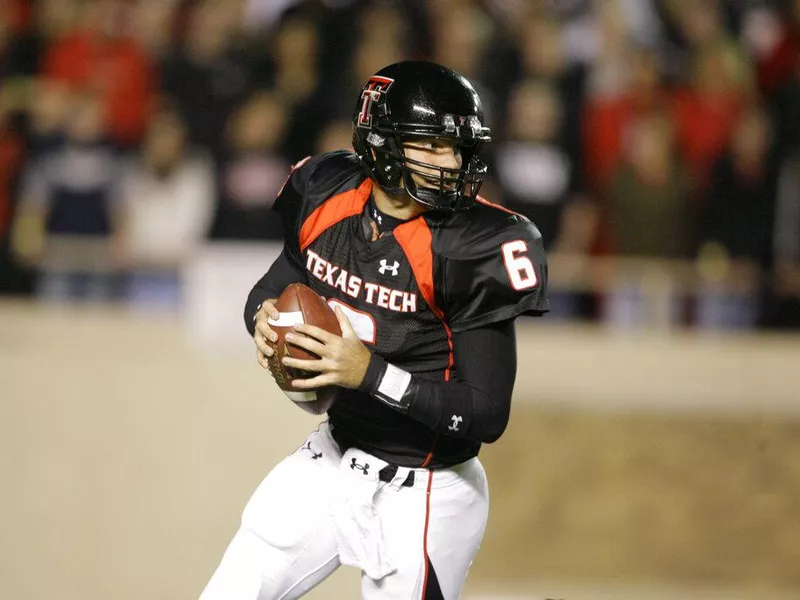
[412,532]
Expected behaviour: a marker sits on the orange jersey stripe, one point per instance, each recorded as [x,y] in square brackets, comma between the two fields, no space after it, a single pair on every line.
[415,239]
[485,202]
[425,534]
[428,458]
[337,208]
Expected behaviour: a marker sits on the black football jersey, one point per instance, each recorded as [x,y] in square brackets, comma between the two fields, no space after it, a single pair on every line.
[407,292]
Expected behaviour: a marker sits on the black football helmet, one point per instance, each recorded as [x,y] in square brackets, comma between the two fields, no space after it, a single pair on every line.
[421,100]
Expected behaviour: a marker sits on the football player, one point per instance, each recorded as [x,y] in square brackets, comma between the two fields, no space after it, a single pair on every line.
[426,278]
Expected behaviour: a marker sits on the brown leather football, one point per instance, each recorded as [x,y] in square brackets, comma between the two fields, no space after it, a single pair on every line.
[300,304]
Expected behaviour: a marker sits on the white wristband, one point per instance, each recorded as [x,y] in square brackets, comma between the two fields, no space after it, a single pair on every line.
[394,384]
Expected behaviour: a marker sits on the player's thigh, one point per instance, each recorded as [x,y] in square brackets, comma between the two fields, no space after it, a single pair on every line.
[290,506]
[457,522]
[252,569]
[285,544]
[432,537]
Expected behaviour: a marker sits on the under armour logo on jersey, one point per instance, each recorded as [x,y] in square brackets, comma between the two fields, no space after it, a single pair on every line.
[456,420]
[363,468]
[314,454]
[386,267]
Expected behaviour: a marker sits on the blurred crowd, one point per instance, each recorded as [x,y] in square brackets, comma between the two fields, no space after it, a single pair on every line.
[134,132]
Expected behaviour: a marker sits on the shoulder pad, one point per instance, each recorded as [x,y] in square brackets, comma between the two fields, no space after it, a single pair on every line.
[495,267]
[313,180]
[327,172]
[457,232]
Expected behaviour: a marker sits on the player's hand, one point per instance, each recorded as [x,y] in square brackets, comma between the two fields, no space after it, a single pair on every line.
[264,333]
[343,359]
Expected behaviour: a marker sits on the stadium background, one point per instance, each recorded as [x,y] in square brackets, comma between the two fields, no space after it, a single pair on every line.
[654,447]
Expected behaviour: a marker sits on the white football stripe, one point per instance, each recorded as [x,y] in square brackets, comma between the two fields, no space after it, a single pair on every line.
[286,319]
[309,396]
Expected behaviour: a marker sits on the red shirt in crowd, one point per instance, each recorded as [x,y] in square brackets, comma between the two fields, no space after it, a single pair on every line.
[11,155]
[782,62]
[703,125]
[117,69]
[606,122]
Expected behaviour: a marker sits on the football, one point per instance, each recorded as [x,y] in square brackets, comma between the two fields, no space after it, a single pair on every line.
[300,304]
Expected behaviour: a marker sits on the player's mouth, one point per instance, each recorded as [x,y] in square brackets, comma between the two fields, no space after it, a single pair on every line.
[435,183]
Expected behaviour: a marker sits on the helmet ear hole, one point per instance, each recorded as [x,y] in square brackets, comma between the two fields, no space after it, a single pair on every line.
[389,159]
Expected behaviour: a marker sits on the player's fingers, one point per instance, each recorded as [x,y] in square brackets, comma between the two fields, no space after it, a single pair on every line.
[310,344]
[264,330]
[344,323]
[263,346]
[317,365]
[314,382]
[262,360]
[315,332]
[268,309]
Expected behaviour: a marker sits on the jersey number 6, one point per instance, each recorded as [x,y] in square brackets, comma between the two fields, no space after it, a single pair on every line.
[518,266]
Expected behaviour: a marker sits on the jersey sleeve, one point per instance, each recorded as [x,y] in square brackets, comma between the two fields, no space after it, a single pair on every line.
[496,277]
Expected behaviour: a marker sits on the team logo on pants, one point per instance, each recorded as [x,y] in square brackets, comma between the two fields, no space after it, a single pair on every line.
[363,468]
[314,454]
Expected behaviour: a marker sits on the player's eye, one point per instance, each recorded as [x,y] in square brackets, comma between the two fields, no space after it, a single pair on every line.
[436,145]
